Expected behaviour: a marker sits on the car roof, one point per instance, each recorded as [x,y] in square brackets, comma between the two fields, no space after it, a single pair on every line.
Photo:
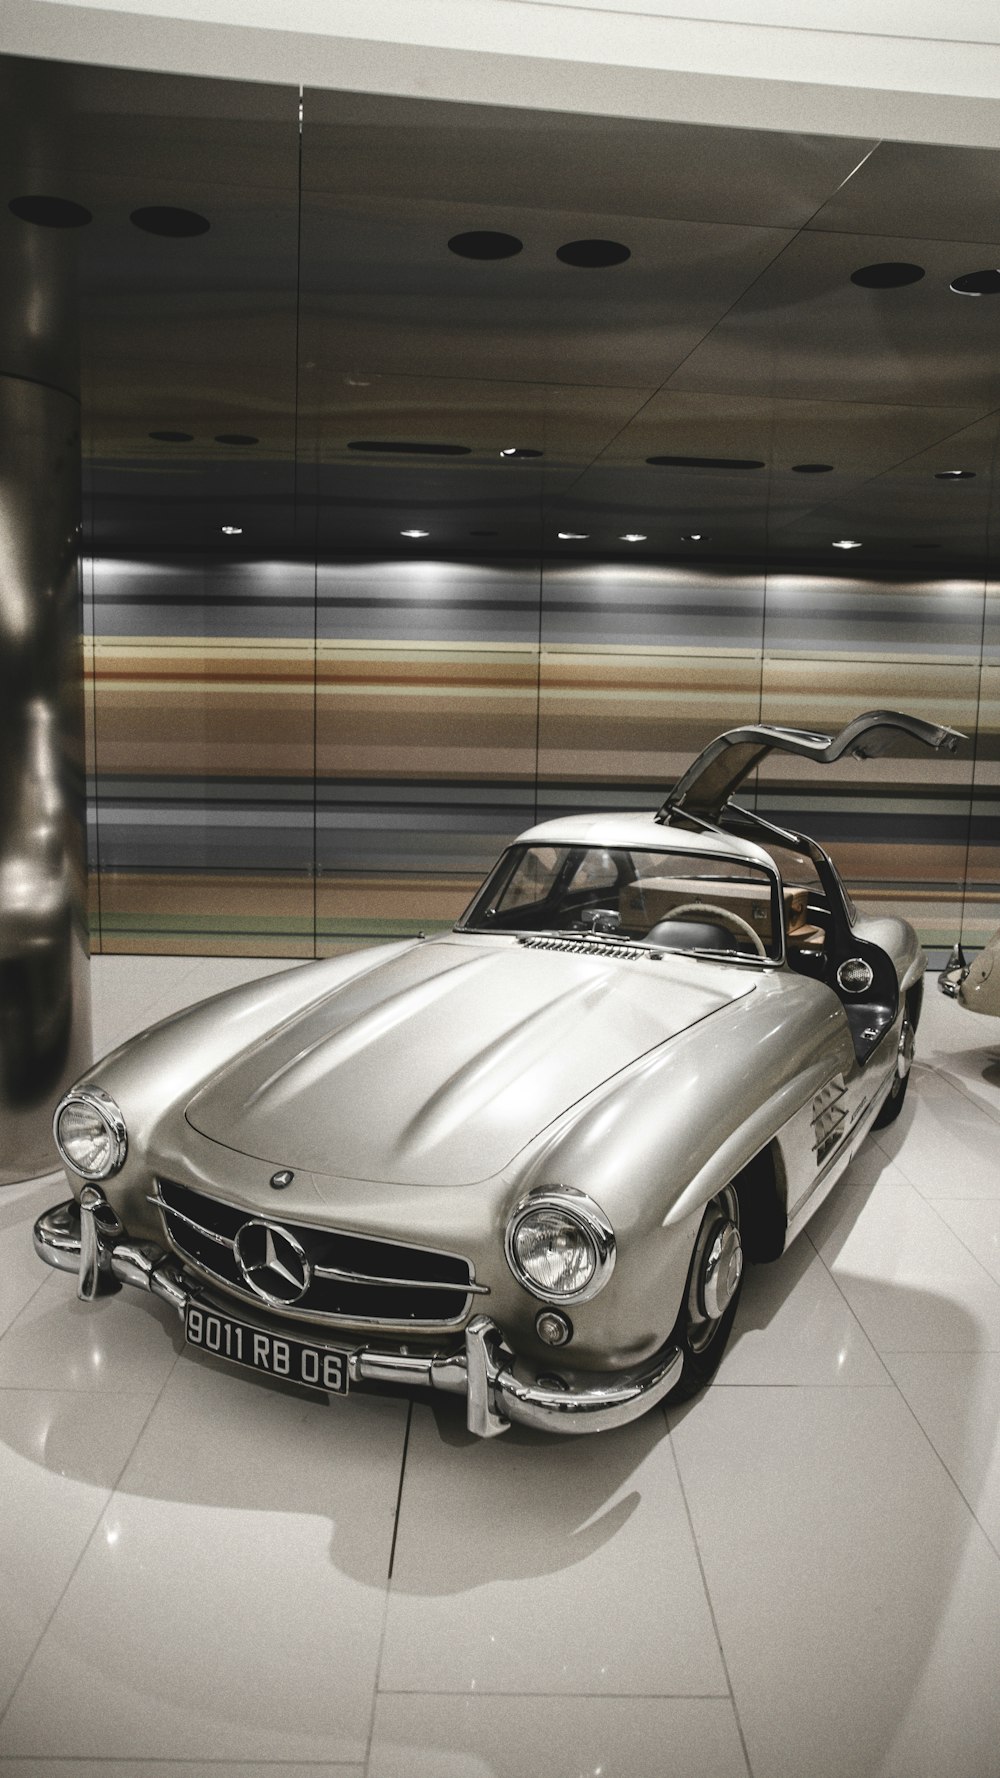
[643,830]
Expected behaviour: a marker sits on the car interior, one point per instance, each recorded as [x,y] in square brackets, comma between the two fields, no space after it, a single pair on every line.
[684,901]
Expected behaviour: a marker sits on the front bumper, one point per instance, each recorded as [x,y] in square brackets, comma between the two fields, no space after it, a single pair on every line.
[88,1239]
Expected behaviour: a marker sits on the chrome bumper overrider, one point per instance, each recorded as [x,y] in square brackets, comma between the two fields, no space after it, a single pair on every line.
[954,973]
[88,1239]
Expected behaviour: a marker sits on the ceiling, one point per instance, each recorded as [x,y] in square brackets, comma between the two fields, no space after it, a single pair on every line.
[322,309]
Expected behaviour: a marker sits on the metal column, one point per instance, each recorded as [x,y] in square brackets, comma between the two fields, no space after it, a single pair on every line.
[45,1037]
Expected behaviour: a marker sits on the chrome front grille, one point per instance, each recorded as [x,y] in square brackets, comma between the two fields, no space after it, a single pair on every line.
[351,1278]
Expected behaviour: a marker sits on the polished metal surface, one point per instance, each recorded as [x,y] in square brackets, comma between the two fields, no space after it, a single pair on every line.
[44,985]
[96,1099]
[975,985]
[580,1211]
[71,1236]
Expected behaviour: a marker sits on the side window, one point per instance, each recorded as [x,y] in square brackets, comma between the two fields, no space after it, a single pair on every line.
[596,870]
[533,878]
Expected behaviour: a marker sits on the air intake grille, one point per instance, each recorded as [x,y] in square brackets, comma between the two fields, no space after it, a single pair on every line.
[351,1278]
[587,947]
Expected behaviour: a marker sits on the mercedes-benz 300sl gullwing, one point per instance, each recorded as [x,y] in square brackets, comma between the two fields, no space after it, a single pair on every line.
[526,1159]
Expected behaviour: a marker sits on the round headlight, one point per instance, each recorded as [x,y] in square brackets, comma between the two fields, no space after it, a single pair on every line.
[560,1245]
[90,1133]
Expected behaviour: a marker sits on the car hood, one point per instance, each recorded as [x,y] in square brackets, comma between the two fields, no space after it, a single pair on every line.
[437,1067]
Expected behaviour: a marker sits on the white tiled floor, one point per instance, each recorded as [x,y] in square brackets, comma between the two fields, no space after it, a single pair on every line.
[797,1574]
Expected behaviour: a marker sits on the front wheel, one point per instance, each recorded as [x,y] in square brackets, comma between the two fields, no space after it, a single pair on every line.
[711,1294]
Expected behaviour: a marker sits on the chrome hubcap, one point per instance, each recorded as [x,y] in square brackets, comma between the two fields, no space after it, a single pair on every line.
[715,1271]
[723,1269]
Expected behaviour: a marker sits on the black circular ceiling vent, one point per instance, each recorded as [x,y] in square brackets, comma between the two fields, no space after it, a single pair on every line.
[236,438]
[164,219]
[485,243]
[400,448]
[888,274]
[985,283]
[593,253]
[705,462]
[512,452]
[811,468]
[47,212]
[954,475]
[172,437]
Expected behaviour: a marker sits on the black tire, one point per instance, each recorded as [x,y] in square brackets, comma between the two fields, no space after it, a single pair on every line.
[700,1336]
[893,1105]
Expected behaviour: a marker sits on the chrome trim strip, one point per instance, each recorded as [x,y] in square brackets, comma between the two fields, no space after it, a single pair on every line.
[199,1227]
[483,1372]
[576,1207]
[110,1115]
[467,1288]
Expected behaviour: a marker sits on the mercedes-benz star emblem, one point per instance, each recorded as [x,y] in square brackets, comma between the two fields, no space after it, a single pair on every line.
[280,1180]
[273,1263]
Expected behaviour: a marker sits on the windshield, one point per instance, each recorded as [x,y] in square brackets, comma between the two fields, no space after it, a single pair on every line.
[674,900]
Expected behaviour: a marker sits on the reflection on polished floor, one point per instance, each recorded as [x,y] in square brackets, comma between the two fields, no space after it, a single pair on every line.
[798,1573]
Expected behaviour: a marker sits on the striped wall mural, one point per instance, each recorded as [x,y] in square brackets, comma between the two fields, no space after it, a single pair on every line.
[287,760]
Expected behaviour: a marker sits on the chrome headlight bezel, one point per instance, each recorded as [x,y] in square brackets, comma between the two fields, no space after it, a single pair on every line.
[98,1101]
[576,1208]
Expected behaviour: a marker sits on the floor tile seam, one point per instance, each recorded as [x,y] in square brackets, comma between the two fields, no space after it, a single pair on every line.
[956,1484]
[932,1205]
[614,1697]
[708,1596]
[971,1098]
[45,1279]
[109,1495]
[855,1317]
[387,1597]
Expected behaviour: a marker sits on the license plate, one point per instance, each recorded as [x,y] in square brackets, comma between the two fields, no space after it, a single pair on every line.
[274,1354]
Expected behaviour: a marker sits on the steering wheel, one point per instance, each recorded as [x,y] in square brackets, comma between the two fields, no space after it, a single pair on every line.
[735,922]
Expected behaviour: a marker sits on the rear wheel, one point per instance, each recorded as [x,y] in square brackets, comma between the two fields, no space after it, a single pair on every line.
[712,1292]
[893,1104]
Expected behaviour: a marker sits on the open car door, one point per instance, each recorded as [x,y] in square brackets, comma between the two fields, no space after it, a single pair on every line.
[704,789]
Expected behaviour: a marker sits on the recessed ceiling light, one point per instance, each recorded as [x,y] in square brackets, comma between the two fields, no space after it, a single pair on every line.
[414,534]
[954,475]
[693,537]
[811,468]
[232,530]
[236,438]
[50,212]
[166,219]
[706,462]
[485,243]
[632,537]
[888,274]
[519,451]
[985,283]
[572,536]
[172,437]
[846,543]
[393,447]
[592,254]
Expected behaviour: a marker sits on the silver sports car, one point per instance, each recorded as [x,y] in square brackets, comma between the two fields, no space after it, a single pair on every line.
[524,1160]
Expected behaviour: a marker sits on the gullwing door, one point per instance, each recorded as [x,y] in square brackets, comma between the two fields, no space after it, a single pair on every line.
[712,778]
